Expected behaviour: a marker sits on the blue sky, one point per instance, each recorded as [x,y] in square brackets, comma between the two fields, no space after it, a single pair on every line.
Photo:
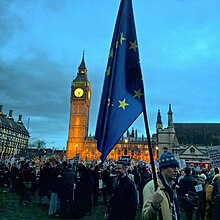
[41,44]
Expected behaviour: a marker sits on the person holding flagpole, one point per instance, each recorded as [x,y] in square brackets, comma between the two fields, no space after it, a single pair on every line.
[162,203]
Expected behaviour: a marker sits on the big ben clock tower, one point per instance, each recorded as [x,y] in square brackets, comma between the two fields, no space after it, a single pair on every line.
[79,112]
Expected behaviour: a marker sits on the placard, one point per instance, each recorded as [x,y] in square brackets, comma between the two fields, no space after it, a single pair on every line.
[214,154]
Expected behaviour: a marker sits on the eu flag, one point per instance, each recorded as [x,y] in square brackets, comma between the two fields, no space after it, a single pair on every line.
[122,98]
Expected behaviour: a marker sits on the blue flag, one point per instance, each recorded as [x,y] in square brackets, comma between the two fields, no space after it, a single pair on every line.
[123,92]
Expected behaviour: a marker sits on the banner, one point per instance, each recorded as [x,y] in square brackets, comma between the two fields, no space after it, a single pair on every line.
[182,163]
[214,154]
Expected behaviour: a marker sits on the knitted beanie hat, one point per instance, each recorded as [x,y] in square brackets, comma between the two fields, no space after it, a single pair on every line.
[168,160]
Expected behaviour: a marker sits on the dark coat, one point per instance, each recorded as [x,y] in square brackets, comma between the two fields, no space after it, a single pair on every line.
[54,179]
[84,190]
[123,204]
[187,184]
[66,184]
[44,180]
[216,199]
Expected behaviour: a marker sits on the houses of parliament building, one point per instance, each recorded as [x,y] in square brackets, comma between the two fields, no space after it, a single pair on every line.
[188,141]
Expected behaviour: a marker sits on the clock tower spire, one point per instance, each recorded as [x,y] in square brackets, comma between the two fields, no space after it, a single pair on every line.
[79,111]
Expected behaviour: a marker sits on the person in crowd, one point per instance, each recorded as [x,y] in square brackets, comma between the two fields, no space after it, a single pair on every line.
[105,179]
[14,178]
[163,202]
[187,184]
[194,173]
[54,182]
[66,191]
[25,180]
[146,177]
[34,187]
[137,181]
[131,176]
[129,173]
[84,191]
[208,199]
[123,203]
[201,180]
[205,172]
[112,176]
[44,179]
[216,197]
[182,174]
[137,176]
[96,177]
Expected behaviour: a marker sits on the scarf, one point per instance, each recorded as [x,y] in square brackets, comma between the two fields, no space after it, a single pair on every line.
[172,195]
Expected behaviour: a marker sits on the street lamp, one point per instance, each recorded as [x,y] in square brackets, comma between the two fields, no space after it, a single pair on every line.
[76,148]
[125,147]
[156,152]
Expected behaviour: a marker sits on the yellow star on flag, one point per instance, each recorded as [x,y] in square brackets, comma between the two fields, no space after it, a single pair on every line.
[122,104]
[108,71]
[133,45]
[122,38]
[138,94]
[116,45]
[111,53]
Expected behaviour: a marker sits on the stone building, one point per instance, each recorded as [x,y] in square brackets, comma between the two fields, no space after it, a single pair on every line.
[13,135]
[188,141]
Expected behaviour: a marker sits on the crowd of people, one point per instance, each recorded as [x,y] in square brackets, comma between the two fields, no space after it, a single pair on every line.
[69,190]
[195,192]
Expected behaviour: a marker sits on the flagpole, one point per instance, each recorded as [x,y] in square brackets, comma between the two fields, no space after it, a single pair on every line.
[150,149]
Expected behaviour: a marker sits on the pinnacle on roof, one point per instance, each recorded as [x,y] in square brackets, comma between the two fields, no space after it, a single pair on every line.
[170,111]
[82,65]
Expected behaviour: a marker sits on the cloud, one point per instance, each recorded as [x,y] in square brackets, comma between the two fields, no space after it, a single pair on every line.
[10,23]
[39,88]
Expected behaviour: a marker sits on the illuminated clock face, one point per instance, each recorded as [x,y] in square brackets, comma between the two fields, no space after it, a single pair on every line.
[78,92]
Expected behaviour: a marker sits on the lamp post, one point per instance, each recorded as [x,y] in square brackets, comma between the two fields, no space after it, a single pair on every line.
[125,147]
[156,153]
[76,148]
[87,154]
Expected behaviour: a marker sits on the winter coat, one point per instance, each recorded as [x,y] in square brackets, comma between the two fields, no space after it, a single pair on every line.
[123,203]
[187,184]
[44,179]
[148,212]
[216,197]
[208,201]
[66,184]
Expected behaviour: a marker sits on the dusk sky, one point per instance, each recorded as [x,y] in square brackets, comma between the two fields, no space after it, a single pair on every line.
[41,46]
